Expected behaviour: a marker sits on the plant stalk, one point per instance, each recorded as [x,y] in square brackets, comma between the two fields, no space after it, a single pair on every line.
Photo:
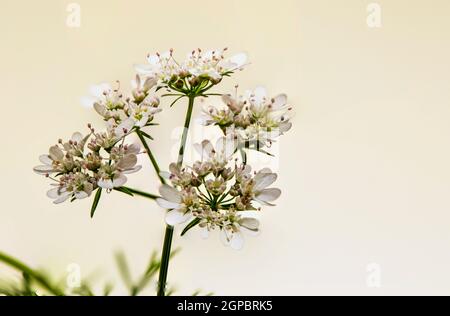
[165,257]
[150,155]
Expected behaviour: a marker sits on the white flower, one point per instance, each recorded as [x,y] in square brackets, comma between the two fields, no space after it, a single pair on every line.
[217,196]
[96,94]
[232,234]
[176,203]
[78,171]
[76,185]
[161,66]
[255,119]
[199,67]
[113,176]
[220,154]
[262,180]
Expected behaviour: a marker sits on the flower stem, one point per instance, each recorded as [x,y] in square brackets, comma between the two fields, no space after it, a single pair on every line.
[187,122]
[150,155]
[165,257]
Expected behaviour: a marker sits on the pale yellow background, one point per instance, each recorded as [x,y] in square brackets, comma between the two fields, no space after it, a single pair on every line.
[365,171]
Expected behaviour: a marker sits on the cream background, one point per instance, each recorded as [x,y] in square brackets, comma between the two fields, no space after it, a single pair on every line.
[365,172]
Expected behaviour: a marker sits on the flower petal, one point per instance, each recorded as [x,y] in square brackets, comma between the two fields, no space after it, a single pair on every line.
[279,101]
[127,162]
[105,184]
[54,193]
[175,217]
[237,241]
[43,169]
[167,204]
[119,180]
[56,153]
[170,194]
[263,179]
[45,159]
[268,195]
[250,223]
[63,197]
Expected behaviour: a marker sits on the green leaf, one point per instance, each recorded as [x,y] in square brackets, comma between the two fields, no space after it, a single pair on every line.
[192,224]
[124,270]
[96,200]
[145,134]
[124,190]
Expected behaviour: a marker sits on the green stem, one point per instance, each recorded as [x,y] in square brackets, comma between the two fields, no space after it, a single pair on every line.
[127,190]
[150,155]
[165,257]
[30,272]
[187,122]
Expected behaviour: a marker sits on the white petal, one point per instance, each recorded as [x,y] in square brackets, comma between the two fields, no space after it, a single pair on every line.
[43,169]
[54,193]
[105,184]
[268,195]
[56,153]
[263,180]
[132,170]
[279,101]
[134,149]
[239,59]
[128,161]
[170,194]
[175,217]
[100,108]
[45,159]
[77,137]
[260,94]
[204,232]
[153,60]
[81,195]
[285,126]
[237,241]
[167,204]
[250,223]
[62,198]
[119,180]
[150,83]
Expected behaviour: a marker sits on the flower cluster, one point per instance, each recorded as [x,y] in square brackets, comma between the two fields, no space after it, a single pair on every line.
[215,195]
[136,110]
[78,168]
[199,72]
[254,118]
[101,159]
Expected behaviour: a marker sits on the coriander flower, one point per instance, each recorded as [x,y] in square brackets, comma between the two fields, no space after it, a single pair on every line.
[255,119]
[85,163]
[198,72]
[216,193]
[136,110]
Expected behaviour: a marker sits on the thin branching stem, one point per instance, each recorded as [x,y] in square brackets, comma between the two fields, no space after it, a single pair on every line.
[165,257]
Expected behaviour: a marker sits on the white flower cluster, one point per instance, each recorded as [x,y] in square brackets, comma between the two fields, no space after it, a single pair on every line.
[101,159]
[216,193]
[199,72]
[255,119]
[78,167]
